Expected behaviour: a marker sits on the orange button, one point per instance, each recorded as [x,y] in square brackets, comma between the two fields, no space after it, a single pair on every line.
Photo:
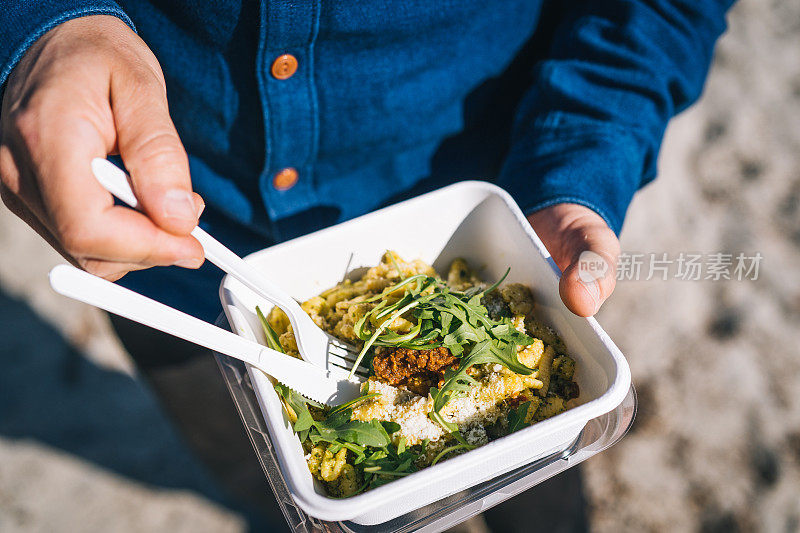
[284,66]
[285,179]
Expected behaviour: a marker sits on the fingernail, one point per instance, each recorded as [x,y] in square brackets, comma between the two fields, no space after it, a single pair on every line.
[179,204]
[201,208]
[593,288]
[189,263]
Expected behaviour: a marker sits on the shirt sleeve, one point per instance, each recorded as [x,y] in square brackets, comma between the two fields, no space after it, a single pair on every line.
[589,129]
[22,22]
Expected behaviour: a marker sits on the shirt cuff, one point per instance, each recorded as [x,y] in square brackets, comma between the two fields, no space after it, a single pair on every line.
[24,22]
[599,166]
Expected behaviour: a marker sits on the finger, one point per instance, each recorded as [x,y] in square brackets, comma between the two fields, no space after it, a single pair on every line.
[109,270]
[584,248]
[82,214]
[590,278]
[152,151]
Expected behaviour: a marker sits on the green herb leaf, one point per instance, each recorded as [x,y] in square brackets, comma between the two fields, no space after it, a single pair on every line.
[396,266]
[450,450]
[516,417]
[354,402]
[369,433]
[390,427]
[299,405]
[486,351]
[304,419]
[338,418]
[269,333]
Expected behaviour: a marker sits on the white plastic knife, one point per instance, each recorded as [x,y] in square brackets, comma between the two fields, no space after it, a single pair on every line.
[309,380]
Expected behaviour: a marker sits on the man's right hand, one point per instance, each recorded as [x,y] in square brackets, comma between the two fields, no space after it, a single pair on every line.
[88,88]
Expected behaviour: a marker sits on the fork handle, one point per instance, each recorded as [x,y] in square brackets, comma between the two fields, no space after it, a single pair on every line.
[229,262]
[115,181]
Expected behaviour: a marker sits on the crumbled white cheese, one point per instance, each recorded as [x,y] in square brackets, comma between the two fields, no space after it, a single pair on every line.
[476,436]
[405,408]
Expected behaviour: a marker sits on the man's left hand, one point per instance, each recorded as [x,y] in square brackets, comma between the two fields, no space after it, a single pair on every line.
[569,230]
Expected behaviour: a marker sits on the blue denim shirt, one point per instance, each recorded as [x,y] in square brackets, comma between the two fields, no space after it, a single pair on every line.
[556,101]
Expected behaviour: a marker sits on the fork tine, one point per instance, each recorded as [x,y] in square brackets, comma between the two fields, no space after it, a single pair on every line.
[342,363]
[345,363]
[346,346]
[344,356]
[343,353]
[360,373]
[347,356]
[346,371]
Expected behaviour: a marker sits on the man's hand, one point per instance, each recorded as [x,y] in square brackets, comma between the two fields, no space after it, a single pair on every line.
[568,230]
[88,88]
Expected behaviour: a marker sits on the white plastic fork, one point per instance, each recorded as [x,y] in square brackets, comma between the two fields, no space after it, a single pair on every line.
[309,380]
[314,345]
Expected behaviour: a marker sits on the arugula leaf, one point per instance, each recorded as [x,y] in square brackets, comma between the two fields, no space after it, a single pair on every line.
[516,417]
[394,262]
[304,419]
[390,427]
[338,418]
[463,334]
[451,449]
[390,338]
[424,314]
[354,402]
[269,333]
[369,433]
[380,461]
[299,406]
[389,463]
[337,426]
[485,351]
[395,288]
[446,320]
[396,310]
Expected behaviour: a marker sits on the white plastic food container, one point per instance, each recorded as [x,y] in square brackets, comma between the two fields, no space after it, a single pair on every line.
[481,223]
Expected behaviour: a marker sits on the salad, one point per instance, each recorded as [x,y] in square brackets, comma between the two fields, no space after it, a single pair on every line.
[454,364]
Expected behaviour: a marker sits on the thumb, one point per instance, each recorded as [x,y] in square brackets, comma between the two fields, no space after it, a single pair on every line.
[586,251]
[152,151]
[590,277]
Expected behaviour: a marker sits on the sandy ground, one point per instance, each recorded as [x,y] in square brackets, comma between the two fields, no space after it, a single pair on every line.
[717,443]
[716,446]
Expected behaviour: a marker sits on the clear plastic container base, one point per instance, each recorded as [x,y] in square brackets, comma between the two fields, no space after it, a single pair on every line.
[598,434]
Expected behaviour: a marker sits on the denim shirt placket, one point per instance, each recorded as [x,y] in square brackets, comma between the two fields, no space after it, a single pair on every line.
[289,106]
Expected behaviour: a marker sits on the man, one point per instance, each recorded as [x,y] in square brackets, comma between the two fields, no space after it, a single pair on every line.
[287,117]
